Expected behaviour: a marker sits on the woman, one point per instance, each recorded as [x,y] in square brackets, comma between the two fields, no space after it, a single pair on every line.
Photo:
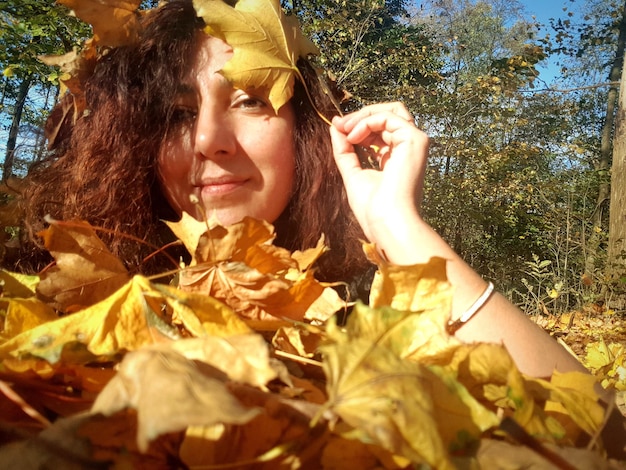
[164,124]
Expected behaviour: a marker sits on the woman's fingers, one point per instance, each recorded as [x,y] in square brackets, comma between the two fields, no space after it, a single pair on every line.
[395,108]
[390,135]
[345,156]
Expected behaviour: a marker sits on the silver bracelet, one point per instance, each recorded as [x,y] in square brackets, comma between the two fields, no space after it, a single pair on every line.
[453,326]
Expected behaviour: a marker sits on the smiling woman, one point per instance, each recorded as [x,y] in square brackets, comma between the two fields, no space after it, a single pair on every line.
[156,109]
[228,153]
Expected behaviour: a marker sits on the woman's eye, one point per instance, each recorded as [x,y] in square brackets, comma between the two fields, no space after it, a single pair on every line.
[251,102]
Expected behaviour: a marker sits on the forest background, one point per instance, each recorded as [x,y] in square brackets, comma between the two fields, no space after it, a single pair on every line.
[519,177]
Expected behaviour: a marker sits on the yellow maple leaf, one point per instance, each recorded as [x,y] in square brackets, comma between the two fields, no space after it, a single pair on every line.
[413,288]
[23,314]
[598,355]
[487,371]
[545,409]
[573,394]
[188,230]
[607,362]
[385,401]
[393,402]
[17,284]
[200,315]
[137,314]
[266,44]
[118,323]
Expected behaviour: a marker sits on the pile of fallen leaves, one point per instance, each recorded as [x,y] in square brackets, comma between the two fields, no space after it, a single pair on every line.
[597,336]
[240,362]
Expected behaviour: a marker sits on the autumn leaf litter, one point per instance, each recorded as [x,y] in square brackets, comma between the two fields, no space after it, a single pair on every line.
[191,373]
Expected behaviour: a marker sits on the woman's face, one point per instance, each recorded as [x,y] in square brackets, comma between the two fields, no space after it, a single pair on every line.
[227,147]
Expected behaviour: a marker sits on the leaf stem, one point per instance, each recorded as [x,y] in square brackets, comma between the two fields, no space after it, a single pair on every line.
[297,358]
[327,91]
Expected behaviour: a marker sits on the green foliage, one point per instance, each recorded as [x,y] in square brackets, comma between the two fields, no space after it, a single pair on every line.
[30,28]
[370,47]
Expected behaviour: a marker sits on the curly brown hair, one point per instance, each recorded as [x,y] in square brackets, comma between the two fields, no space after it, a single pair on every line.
[102,169]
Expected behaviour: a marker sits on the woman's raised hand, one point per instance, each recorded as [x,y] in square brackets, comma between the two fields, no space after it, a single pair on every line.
[386,202]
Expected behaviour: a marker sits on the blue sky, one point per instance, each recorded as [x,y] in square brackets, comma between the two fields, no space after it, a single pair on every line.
[543,10]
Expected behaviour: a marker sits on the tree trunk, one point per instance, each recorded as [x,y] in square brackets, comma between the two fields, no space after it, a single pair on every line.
[7,167]
[604,165]
[4,92]
[617,220]
[41,146]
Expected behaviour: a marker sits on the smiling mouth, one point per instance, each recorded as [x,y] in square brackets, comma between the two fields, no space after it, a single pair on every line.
[220,187]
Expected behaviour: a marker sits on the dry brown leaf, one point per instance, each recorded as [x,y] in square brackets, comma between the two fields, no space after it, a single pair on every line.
[243,288]
[64,391]
[11,212]
[280,435]
[341,453]
[506,456]
[75,69]
[299,340]
[242,358]
[113,440]
[114,22]
[55,447]
[170,393]
[262,282]
[85,273]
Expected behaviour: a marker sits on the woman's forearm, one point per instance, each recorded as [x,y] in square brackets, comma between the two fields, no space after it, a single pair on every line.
[497,321]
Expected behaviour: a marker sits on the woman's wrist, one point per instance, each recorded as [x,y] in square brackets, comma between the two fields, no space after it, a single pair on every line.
[399,238]
[467,315]
[416,242]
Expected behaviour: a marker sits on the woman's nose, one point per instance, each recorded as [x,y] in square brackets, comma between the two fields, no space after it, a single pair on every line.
[214,134]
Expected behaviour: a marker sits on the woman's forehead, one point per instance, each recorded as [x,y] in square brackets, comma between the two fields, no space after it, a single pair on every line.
[211,54]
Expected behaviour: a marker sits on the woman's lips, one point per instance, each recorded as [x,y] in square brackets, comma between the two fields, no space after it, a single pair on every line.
[220,186]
